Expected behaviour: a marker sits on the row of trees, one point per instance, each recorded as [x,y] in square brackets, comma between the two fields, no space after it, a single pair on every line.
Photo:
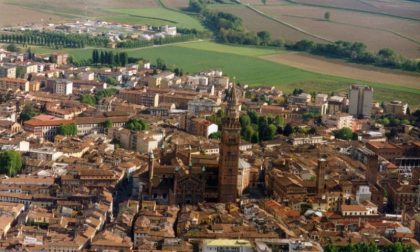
[10,162]
[67,129]
[256,128]
[136,125]
[356,52]
[345,134]
[53,39]
[99,95]
[370,247]
[109,58]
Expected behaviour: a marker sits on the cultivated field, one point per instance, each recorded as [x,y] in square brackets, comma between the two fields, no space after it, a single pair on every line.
[154,16]
[255,22]
[375,31]
[407,9]
[249,65]
[176,4]
[8,16]
[14,12]
[353,71]
[295,21]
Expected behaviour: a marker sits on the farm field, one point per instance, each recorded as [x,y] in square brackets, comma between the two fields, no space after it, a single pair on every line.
[46,11]
[402,8]
[9,18]
[250,68]
[176,4]
[338,68]
[154,16]
[375,30]
[255,22]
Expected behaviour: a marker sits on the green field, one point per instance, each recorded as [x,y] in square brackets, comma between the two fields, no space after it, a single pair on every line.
[154,17]
[245,64]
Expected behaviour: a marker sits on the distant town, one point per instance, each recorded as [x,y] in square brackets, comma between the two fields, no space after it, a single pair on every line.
[123,155]
[114,32]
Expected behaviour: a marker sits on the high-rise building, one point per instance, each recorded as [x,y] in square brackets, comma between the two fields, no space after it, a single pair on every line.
[229,150]
[361,99]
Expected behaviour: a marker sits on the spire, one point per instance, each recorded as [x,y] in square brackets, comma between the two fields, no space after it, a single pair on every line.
[234,95]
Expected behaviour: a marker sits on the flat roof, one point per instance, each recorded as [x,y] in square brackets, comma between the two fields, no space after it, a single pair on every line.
[227,243]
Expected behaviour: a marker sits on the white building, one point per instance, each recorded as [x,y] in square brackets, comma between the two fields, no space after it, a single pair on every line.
[361,100]
[202,106]
[397,108]
[63,87]
[363,194]
[321,99]
[338,120]
[219,245]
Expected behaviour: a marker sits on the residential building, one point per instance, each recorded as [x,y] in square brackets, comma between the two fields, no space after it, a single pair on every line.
[201,127]
[300,99]
[7,72]
[219,245]
[386,150]
[297,140]
[360,101]
[14,84]
[202,106]
[140,97]
[397,108]
[363,194]
[63,87]
[321,99]
[59,58]
[338,120]
[336,104]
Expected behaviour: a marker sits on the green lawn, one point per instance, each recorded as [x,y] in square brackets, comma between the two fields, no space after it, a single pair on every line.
[243,62]
[154,17]
[233,49]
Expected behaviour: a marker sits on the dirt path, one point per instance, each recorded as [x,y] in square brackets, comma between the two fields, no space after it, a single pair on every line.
[348,70]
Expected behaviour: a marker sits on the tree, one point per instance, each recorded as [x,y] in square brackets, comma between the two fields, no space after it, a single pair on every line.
[344,133]
[264,37]
[136,125]
[67,130]
[255,138]
[393,133]
[215,135]
[88,99]
[28,112]
[107,124]
[264,2]
[160,64]
[10,162]
[288,130]
[111,81]
[327,16]
[245,120]
[13,48]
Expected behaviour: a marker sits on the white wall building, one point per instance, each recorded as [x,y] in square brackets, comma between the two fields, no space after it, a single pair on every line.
[63,87]
[338,120]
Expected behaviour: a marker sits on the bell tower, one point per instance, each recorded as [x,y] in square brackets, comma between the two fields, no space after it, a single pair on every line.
[229,149]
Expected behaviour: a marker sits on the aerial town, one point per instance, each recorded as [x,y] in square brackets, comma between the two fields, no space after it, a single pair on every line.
[139,158]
